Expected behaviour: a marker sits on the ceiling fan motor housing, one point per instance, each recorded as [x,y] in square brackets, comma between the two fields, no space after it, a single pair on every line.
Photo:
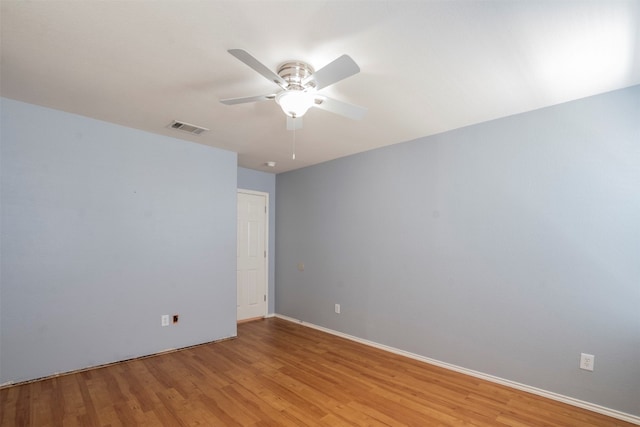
[294,73]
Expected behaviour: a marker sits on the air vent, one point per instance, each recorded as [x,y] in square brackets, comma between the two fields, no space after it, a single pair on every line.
[186,127]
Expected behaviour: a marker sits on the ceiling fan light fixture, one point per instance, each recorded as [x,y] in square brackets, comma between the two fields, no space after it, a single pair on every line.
[295,103]
[299,85]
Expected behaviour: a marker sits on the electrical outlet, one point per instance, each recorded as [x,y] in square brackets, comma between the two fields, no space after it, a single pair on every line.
[165,320]
[587,361]
[337,308]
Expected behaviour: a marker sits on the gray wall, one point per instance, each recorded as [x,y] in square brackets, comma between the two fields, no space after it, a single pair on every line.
[249,179]
[507,247]
[104,229]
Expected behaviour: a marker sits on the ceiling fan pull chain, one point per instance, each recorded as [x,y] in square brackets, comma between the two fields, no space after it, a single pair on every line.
[293,148]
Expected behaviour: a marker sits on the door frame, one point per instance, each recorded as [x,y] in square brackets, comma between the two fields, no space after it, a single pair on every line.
[266,244]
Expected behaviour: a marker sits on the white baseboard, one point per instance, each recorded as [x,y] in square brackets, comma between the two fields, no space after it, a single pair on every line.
[529,389]
[104,365]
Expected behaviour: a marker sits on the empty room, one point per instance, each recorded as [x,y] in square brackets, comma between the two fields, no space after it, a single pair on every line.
[336,213]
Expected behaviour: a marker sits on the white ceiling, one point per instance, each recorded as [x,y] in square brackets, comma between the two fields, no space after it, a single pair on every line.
[426,66]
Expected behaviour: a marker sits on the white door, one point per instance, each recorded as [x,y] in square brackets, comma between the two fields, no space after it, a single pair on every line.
[252,255]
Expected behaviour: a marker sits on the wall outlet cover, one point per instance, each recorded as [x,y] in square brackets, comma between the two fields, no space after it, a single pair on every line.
[587,361]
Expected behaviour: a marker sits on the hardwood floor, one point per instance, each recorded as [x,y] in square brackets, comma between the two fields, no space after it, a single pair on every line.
[278,373]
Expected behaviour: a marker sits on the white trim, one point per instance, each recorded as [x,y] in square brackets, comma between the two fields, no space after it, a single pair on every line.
[523,387]
[254,192]
[266,242]
[105,365]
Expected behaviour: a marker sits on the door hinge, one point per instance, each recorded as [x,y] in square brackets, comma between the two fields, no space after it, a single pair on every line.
[265,254]
[265,298]
[265,209]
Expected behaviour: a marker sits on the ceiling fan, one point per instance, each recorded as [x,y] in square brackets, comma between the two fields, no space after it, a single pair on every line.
[299,85]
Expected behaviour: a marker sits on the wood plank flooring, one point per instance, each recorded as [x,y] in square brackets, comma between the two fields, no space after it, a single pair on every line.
[278,373]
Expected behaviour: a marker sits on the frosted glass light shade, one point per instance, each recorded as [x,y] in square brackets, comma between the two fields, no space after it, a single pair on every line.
[295,103]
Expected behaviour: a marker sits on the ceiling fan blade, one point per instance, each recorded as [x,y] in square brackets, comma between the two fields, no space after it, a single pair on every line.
[258,66]
[333,72]
[233,101]
[349,111]
[294,124]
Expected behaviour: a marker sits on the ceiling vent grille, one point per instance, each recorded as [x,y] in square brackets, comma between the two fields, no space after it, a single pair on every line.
[187,127]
